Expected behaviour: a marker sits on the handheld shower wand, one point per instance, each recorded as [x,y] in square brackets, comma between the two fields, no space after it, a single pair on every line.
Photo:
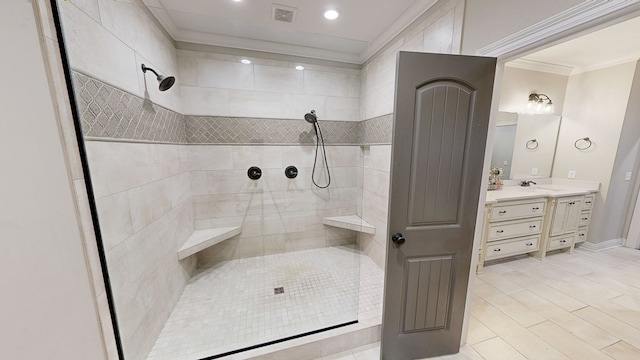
[312,118]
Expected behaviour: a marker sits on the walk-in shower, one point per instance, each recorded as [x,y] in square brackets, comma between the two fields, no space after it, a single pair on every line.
[205,257]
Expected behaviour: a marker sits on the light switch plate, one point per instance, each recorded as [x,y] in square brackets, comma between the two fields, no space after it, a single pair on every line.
[534,171]
[627,176]
[572,174]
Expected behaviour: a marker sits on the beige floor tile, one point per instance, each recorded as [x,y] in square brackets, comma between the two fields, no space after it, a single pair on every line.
[567,343]
[584,290]
[622,351]
[517,311]
[497,349]
[369,352]
[346,355]
[611,325]
[478,332]
[570,263]
[483,290]
[621,312]
[630,302]
[612,283]
[527,343]
[577,326]
[500,282]
[557,297]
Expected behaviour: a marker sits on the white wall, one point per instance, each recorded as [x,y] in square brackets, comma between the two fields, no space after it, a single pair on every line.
[48,307]
[517,84]
[218,84]
[595,106]
[621,192]
[109,40]
[488,21]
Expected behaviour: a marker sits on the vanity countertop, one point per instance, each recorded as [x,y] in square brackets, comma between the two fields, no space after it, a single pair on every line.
[509,193]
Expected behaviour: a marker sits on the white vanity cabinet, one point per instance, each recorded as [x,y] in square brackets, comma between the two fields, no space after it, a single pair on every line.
[585,219]
[566,215]
[515,222]
[568,223]
[511,228]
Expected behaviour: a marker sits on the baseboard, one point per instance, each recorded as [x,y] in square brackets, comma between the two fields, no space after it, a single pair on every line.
[596,247]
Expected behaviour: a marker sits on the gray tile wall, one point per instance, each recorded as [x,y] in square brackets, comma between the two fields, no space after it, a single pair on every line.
[108,112]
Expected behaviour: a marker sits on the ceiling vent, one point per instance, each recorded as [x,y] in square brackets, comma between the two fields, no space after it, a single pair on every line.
[283,13]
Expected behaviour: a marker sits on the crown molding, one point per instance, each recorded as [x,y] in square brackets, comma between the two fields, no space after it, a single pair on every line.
[624,60]
[569,19]
[540,66]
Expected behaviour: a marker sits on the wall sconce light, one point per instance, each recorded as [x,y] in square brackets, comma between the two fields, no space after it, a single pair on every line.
[537,104]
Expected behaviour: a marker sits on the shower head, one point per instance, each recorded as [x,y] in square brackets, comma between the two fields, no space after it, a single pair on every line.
[166,82]
[311,117]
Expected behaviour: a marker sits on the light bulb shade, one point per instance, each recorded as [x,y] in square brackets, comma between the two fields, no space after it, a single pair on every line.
[539,104]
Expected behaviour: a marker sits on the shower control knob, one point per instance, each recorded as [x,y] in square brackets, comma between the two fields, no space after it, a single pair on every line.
[291,172]
[398,239]
[254,173]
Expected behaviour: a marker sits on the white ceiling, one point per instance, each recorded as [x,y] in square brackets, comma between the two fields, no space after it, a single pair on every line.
[363,27]
[610,46]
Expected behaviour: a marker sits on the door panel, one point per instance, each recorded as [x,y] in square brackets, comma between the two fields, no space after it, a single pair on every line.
[441,119]
[439,135]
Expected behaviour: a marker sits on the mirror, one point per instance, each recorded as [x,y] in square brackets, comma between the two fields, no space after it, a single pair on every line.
[524,145]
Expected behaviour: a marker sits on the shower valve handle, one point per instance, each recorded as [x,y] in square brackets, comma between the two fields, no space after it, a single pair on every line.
[398,239]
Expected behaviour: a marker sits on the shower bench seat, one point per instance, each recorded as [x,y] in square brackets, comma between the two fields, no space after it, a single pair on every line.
[350,222]
[202,239]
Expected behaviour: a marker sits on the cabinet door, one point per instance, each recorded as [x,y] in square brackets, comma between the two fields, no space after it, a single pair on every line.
[559,214]
[574,210]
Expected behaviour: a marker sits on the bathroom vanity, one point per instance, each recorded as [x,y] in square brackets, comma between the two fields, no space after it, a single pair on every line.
[535,220]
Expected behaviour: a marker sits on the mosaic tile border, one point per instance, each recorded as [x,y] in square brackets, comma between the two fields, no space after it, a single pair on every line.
[115,115]
[236,130]
[108,112]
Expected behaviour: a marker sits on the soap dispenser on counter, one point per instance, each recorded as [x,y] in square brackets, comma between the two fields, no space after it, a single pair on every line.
[495,182]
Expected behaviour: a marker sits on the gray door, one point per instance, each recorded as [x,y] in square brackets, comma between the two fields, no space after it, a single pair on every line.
[442,107]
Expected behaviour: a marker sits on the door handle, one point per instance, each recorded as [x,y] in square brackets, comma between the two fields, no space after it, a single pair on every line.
[398,239]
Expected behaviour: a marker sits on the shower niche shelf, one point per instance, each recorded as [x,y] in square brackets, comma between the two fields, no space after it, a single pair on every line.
[351,222]
[202,239]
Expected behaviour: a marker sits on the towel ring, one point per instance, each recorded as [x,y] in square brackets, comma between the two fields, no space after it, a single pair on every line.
[586,140]
[532,144]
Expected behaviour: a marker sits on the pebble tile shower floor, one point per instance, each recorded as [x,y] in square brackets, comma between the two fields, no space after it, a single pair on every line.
[236,305]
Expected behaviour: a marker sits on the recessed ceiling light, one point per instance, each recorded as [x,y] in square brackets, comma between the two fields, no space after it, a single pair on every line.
[237,0]
[299,67]
[245,61]
[331,14]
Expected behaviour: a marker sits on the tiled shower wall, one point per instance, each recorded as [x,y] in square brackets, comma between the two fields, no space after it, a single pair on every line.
[144,207]
[277,214]
[219,84]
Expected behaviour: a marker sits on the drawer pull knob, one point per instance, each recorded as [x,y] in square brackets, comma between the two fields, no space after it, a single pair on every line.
[585,218]
[502,212]
[497,250]
[563,241]
[587,202]
[572,203]
[536,208]
[499,231]
[532,226]
[582,234]
[529,244]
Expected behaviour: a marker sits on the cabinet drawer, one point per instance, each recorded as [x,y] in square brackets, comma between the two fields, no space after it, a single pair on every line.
[516,211]
[587,204]
[581,235]
[561,242]
[585,218]
[509,229]
[512,247]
